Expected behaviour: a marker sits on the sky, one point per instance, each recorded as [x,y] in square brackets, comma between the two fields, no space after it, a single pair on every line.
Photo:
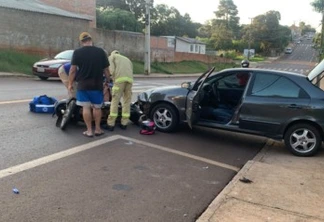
[292,11]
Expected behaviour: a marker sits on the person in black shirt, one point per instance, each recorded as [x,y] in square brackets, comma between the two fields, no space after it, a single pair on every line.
[91,62]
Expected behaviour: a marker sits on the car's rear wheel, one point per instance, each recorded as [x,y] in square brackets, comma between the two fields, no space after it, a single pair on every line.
[68,114]
[43,78]
[303,140]
[165,117]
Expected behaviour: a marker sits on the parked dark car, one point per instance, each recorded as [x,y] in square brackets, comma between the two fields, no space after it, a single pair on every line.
[274,104]
[47,68]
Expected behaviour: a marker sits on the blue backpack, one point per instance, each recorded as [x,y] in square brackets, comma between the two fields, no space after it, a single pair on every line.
[42,104]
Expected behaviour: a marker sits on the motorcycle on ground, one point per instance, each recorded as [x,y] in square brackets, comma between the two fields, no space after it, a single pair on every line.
[67,111]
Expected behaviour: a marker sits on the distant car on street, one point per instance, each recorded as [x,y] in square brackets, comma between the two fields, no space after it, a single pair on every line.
[288,50]
[280,105]
[47,68]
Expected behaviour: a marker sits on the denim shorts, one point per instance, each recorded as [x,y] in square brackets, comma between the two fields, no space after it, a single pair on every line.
[90,98]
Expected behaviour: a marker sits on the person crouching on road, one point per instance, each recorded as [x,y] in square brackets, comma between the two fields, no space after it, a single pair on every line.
[91,62]
[63,73]
[121,69]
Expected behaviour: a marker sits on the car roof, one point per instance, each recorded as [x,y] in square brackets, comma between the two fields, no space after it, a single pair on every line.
[284,73]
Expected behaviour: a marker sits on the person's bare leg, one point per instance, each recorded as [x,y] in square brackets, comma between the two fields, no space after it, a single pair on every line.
[87,117]
[97,116]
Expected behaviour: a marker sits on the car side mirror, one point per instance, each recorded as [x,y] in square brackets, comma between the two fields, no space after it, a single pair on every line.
[186,85]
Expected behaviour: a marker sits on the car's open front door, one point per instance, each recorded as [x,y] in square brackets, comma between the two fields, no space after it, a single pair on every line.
[194,98]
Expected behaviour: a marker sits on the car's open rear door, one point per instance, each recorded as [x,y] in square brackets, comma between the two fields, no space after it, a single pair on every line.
[194,98]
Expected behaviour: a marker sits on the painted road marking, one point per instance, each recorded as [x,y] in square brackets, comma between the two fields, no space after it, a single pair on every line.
[15,101]
[56,156]
[162,148]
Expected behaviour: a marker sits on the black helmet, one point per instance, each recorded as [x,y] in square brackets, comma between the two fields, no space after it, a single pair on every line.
[245,64]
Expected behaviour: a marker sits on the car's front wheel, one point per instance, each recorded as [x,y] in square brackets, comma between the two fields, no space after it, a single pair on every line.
[303,140]
[165,117]
[43,78]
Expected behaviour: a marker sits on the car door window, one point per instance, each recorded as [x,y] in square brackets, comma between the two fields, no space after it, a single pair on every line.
[236,80]
[227,88]
[271,85]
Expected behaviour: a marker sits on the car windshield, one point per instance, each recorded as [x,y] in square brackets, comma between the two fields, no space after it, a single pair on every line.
[64,55]
[201,79]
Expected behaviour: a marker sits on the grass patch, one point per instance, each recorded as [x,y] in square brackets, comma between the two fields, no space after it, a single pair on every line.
[252,59]
[185,67]
[17,62]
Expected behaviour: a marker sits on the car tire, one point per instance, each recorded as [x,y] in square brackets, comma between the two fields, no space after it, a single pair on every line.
[43,78]
[68,114]
[165,117]
[303,140]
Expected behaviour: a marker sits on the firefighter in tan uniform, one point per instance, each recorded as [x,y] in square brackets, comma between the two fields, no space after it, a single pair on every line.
[121,69]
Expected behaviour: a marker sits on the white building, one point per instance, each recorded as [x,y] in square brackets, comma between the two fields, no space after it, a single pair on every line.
[189,45]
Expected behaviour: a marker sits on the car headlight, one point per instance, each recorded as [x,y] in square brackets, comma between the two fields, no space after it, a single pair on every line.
[54,66]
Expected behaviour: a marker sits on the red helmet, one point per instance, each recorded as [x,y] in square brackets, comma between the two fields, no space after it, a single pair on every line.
[147,127]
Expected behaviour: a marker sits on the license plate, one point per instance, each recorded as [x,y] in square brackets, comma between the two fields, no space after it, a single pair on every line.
[39,69]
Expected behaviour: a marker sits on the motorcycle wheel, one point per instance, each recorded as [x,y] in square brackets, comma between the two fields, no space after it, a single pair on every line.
[68,114]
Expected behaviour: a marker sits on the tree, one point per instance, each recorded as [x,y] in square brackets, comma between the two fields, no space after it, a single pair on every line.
[205,30]
[137,7]
[318,6]
[117,19]
[227,13]
[267,32]
[224,28]
[112,4]
[222,37]
[169,21]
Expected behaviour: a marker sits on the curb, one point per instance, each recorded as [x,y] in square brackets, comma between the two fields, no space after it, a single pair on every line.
[222,196]
[4,74]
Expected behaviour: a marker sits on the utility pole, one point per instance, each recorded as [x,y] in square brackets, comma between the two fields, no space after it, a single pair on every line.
[322,33]
[321,43]
[147,57]
[250,37]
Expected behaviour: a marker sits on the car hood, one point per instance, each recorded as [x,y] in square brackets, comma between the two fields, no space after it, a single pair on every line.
[167,91]
[52,61]
[319,68]
[164,89]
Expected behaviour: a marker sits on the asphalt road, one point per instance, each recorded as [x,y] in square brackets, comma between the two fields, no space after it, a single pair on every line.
[121,176]
[302,59]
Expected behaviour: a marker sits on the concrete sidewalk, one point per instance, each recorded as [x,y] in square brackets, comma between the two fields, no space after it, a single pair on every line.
[283,188]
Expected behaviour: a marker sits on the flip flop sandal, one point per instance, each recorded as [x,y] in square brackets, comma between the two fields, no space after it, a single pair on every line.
[99,134]
[85,133]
